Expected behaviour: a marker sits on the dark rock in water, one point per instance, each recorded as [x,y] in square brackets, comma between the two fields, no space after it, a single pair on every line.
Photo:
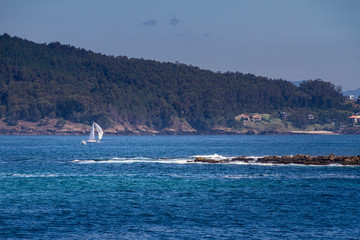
[241,159]
[312,160]
[297,159]
[209,160]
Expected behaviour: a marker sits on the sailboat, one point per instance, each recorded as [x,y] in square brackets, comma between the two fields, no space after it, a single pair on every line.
[92,138]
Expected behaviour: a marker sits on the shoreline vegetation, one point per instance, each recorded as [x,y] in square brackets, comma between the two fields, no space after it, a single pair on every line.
[57,89]
[283,160]
[62,127]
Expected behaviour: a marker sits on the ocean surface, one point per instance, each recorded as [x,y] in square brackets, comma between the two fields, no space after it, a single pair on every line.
[143,187]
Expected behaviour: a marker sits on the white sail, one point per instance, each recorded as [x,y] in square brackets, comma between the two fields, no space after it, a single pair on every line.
[92,133]
[100,131]
[92,138]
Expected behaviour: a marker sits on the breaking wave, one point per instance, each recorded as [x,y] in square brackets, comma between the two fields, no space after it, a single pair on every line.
[133,160]
[165,160]
[251,160]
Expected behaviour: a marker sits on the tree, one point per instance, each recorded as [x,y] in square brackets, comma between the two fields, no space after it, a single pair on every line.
[55,80]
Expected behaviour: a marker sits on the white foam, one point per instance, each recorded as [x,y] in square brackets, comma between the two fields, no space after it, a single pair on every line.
[213,156]
[184,160]
[243,176]
[133,160]
[189,160]
[173,161]
[22,175]
[56,175]
[84,161]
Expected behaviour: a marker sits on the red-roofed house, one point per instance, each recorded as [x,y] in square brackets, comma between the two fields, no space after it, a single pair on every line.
[256,118]
[356,118]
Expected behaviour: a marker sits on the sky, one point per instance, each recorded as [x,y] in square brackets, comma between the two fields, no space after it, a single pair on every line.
[288,39]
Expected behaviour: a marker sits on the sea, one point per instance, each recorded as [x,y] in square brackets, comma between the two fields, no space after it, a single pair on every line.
[146,187]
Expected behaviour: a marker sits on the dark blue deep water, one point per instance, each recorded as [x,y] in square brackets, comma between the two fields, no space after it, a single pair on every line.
[141,187]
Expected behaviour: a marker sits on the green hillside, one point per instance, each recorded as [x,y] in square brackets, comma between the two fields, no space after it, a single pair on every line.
[40,81]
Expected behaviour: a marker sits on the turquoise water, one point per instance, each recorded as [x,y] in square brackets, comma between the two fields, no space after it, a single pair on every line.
[142,187]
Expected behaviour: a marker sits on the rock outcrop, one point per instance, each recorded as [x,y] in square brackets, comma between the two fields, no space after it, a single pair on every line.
[227,160]
[209,160]
[297,159]
[312,160]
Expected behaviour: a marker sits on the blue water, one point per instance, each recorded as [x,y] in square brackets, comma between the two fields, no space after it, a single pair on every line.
[142,187]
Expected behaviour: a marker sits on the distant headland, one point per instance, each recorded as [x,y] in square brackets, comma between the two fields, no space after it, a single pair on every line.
[59,89]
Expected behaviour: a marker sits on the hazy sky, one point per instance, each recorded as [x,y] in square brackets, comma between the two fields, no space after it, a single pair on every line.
[289,39]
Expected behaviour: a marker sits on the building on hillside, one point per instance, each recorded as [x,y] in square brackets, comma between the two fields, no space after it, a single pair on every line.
[247,118]
[310,116]
[243,117]
[351,97]
[356,118]
[283,115]
[256,118]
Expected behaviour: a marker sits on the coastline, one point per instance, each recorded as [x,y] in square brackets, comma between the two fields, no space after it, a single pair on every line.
[314,133]
[62,127]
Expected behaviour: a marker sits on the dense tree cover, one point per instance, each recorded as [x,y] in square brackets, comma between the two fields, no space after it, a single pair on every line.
[54,80]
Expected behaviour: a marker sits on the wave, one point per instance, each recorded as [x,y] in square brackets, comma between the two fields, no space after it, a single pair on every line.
[184,160]
[23,175]
[250,160]
[133,160]
[60,175]
[280,176]
[213,156]
[179,160]
[124,160]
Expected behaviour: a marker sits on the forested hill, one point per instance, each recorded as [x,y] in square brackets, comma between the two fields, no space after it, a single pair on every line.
[40,81]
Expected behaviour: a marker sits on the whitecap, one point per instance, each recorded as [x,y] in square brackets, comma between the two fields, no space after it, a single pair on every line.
[244,176]
[23,175]
[123,160]
[174,161]
[213,156]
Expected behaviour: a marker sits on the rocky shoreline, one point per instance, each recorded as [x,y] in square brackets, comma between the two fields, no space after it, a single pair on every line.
[54,126]
[49,126]
[297,159]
